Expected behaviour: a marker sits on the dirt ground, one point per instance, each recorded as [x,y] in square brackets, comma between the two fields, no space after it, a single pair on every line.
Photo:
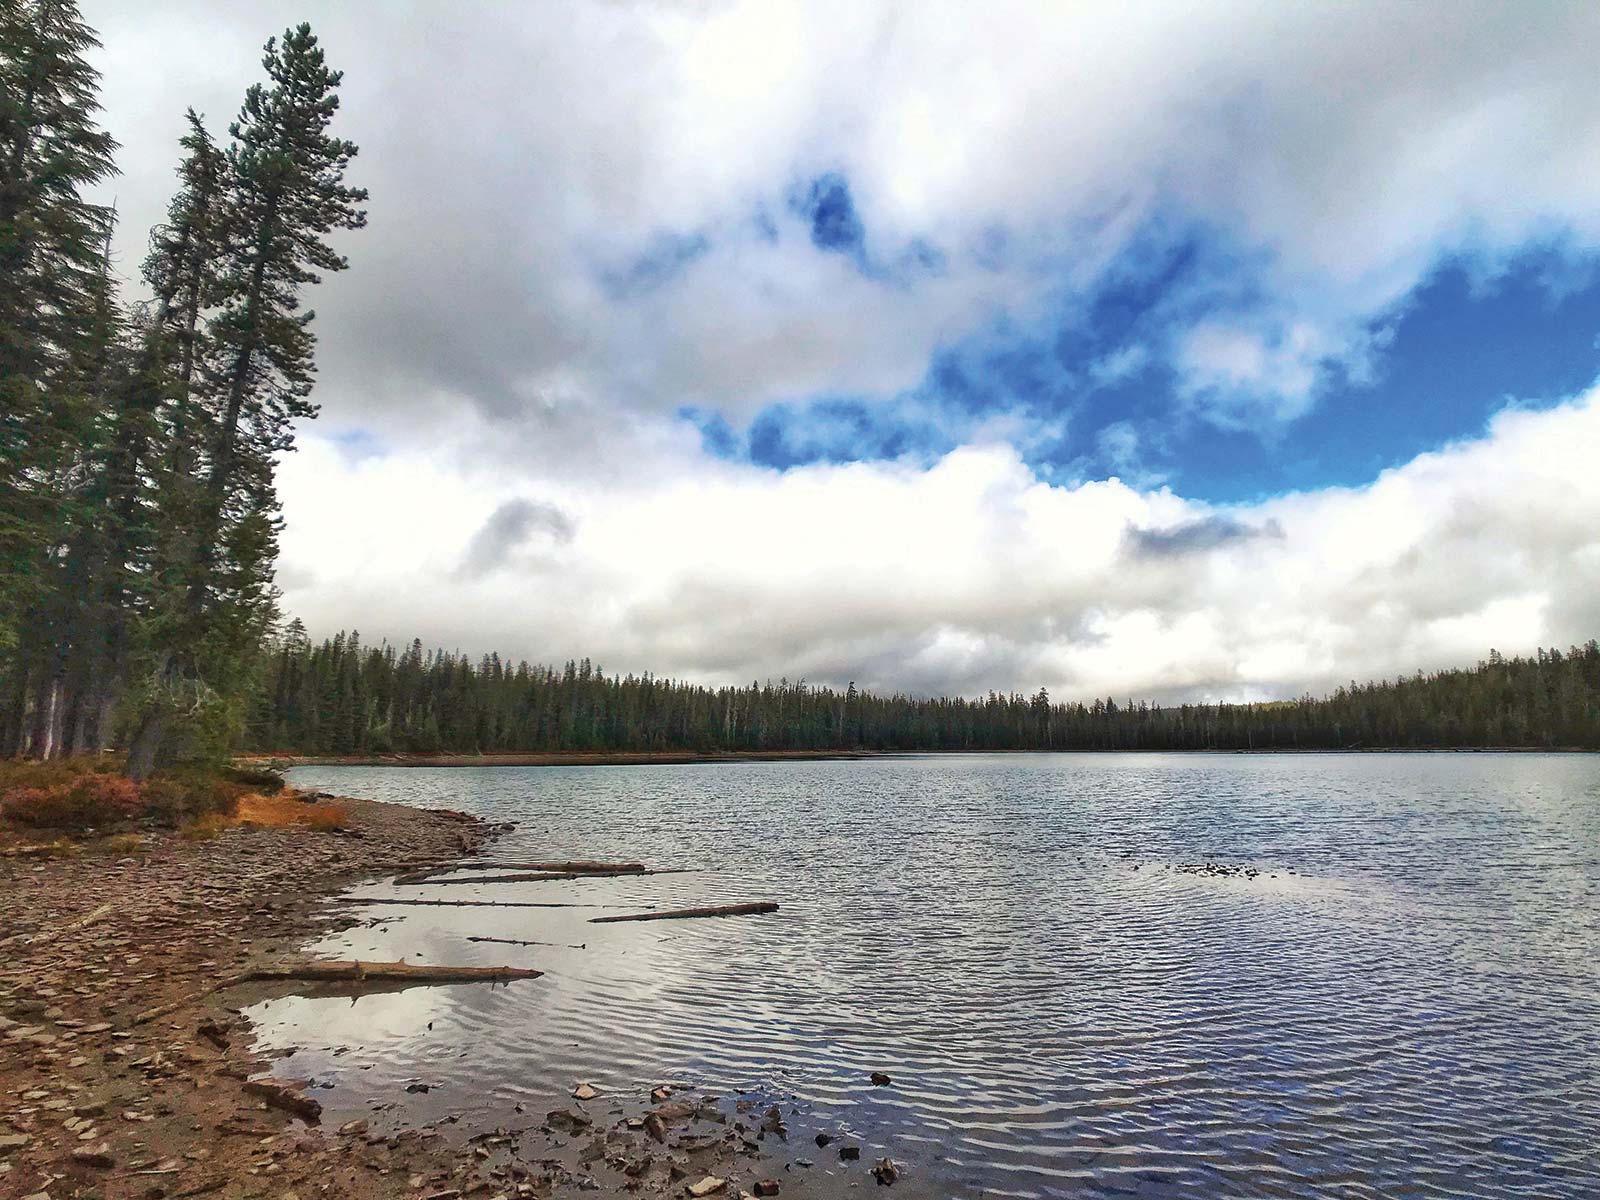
[95,1101]
[123,1074]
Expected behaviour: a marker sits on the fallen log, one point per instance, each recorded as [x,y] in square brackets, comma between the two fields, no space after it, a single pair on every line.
[565,867]
[474,903]
[355,971]
[680,914]
[521,942]
[339,971]
[538,877]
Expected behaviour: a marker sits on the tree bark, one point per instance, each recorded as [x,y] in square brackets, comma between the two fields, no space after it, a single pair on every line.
[147,744]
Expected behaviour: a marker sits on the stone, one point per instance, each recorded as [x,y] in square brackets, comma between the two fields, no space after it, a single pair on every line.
[879,1079]
[885,1172]
[10,1142]
[585,1091]
[849,1153]
[655,1127]
[824,1138]
[708,1186]
[766,1187]
[567,1118]
[94,1156]
[353,1128]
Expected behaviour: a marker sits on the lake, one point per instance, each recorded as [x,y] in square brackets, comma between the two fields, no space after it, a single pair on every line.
[1403,1001]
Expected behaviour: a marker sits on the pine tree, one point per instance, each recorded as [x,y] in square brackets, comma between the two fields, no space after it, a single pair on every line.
[51,259]
[284,194]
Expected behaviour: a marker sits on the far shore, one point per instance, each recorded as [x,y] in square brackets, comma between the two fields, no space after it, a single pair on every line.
[625,758]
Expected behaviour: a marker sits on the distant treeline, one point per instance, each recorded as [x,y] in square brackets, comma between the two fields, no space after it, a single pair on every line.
[340,697]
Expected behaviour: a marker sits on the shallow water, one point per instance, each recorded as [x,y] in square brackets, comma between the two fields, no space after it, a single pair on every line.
[1404,1003]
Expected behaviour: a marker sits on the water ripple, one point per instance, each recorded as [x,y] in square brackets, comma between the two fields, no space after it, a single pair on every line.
[1404,1002]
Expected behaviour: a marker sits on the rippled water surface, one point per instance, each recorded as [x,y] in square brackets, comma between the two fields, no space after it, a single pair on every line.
[1405,1002]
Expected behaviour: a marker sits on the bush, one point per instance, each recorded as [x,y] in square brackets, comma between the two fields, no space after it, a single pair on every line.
[90,800]
[87,793]
[183,794]
[257,779]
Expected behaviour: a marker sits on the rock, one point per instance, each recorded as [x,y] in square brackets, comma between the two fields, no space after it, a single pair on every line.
[708,1186]
[567,1118]
[287,1099]
[879,1079]
[885,1172]
[10,1142]
[90,1110]
[585,1091]
[772,1120]
[849,1153]
[353,1128]
[766,1187]
[419,1088]
[95,1156]
[824,1138]
[655,1127]
[658,1094]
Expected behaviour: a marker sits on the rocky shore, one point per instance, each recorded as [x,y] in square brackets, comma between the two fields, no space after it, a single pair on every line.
[99,1099]
[127,1072]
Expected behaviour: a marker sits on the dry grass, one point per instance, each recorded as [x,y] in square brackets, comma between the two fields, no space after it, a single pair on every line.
[284,810]
[280,811]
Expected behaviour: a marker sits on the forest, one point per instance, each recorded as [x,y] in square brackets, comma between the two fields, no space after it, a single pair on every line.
[138,441]
[340,697]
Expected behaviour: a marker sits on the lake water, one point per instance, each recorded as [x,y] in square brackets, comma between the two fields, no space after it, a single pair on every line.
[1405,1002]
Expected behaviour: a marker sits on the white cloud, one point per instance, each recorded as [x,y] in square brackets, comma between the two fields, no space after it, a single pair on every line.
[1326,157]
[973,573]
[1338,151]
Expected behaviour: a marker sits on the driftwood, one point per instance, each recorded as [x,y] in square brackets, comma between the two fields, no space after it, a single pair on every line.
[475,903]
[324,971]
[538,877]
[338,971]
[50,935]
[680,914]
[520,942]
[558,868]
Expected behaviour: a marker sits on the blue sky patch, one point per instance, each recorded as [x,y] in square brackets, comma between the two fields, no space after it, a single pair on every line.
[1463,347]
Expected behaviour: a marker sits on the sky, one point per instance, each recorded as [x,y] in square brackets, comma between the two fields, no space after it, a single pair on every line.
[1221,351]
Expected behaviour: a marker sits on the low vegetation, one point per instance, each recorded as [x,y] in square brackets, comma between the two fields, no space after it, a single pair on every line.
[88,795]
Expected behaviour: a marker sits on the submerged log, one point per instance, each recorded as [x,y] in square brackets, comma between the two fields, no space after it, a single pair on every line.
[558,868]
[339,971]
[322,971]
[681,914]
[473,903]
[538,877]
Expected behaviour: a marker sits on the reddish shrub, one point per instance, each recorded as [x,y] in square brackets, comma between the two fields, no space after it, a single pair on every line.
[89,800]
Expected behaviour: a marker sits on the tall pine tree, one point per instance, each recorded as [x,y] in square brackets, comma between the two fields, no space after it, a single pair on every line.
[285,193]
[51,276]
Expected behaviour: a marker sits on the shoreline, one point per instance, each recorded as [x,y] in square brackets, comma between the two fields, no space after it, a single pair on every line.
[122,1073]
[127,1060]
[631,758]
